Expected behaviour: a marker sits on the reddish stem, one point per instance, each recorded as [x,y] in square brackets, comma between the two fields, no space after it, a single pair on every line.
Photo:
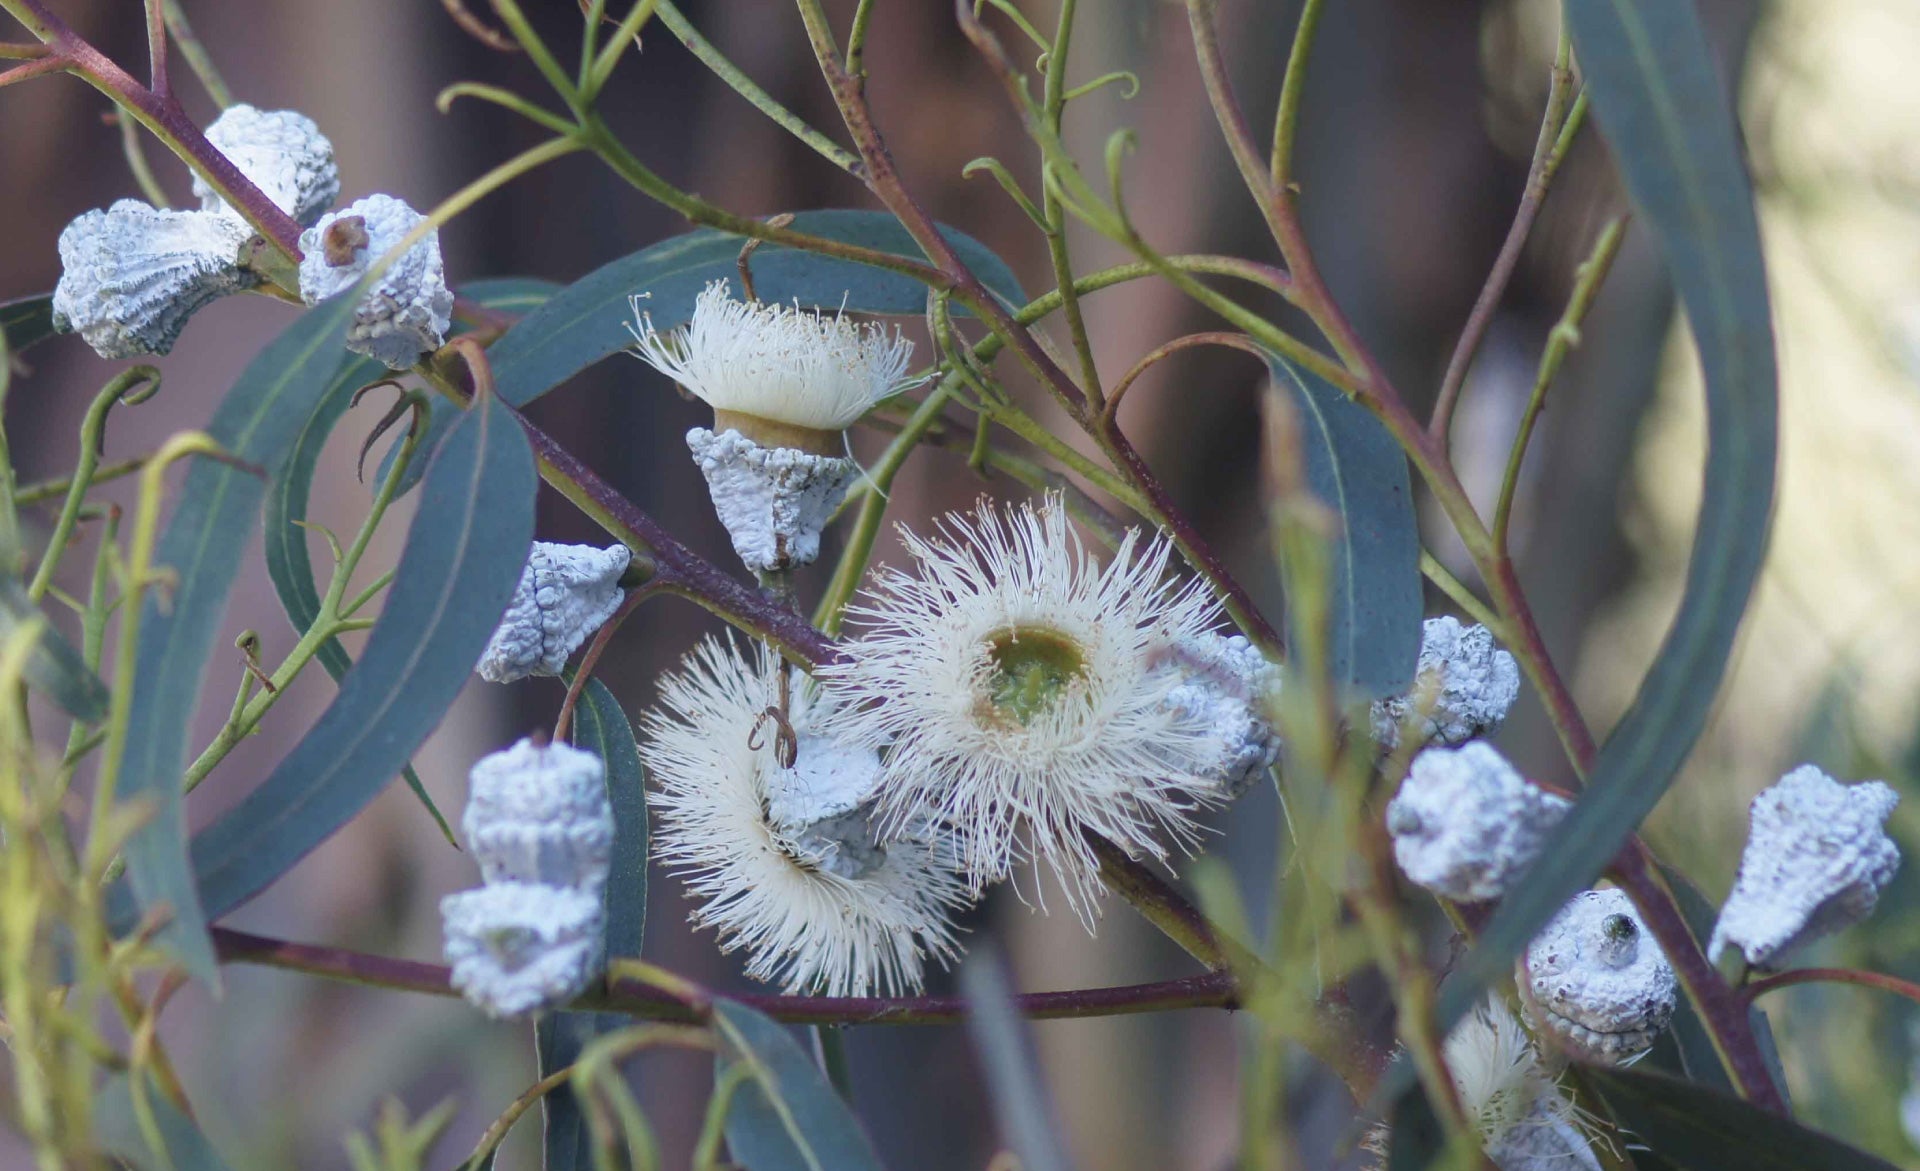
[583,670]
[1884,983]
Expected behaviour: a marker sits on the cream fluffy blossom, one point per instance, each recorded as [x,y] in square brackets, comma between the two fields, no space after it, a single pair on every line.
[790,365]
[1015,685]
[1524,1121]
[781,858]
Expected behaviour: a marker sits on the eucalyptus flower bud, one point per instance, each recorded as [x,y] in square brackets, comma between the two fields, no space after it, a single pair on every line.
[132,275]
[1463,686]
[1226,683]
[283,153]
[774,501]
[1817,858]
[1465,824]
[1595,978]
[516,947]
[408,310]
[540,814]
[565,594]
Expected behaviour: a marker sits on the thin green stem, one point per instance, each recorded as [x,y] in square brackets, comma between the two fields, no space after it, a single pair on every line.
[1461,596]
[857,41]
[196,54]
[624,38]
[1053,106]
[536,50]
[93,630]
[133,386]
[503,98]
[1286,120]
[11,549]
[136,156]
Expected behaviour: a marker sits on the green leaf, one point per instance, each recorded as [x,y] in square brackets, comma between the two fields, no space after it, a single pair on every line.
[201,549]
[118,1131]
[785,1117]
[54,667]
[1694,1128]
[1000,1039]
[1355,467]
[510,294]
[27,322]
[463,557]
[587,321]
[600,727]
[1415,1140]
[1650,74]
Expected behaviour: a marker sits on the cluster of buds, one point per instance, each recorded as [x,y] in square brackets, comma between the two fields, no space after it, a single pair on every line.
[1463,688]
[566,592]
[540,825]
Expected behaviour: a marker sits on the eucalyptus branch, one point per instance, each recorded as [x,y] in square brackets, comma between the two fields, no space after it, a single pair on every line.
[1905,989]
[132,386]
[1286,120]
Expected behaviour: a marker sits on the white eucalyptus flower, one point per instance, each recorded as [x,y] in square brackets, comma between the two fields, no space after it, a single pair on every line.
[565,594]
[1817,858]
[1225,682]
[1465,824]
[132,275]
[792,367]
[1595,978]
[516,946]
[1525,1123]
[1014,685]
[774,501]
[1463,687]
[539,813]
[283,153]
[408,310]
[780,856]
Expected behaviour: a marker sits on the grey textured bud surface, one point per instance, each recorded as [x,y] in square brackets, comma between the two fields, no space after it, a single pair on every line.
[1463,686]
[517,947]
[566,592]
[819,807]
[1816,861]
[283,153]
[1545,1140]
[409,308]
[132,275]
[1465,824]
[773,500]
[540,814]
[1596,979]
[1225,682]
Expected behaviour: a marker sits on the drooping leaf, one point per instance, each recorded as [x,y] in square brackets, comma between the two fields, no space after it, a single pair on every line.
[54,668]
[1355,468]
[1695,1128]
[1650,75]
[118,1131]
[587,321]
[27,322]
[201,549]
[600,727]
[785,1117]
[1006,1059]
[463,557]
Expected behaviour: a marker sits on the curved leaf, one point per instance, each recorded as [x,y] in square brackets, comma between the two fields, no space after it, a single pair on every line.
[257,423]
[785,1117]
[1006,1057]
[1650,75]
[587,321]
[1698,1129]
[27,322]
[463,557]
[1355,467]
[117,1129]
[600,727]
[54,668]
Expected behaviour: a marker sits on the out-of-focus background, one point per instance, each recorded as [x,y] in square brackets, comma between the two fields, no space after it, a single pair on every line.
[1419,117]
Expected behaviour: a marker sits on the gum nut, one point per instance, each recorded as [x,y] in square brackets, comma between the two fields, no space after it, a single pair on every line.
[132,275]
[1596,979]
[774,501]
[1226,683]
[283,153]
[1465,824]
[1464,684]
[516,947]
[565,594]
[540,814]
[819,807]
[408,310]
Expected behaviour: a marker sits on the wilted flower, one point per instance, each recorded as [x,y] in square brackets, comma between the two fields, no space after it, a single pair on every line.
[283,153]
[769,826]
[1462,688]
[1465,824]
[1597,980]
[132,275]
[409,308]
[1525,1123]
[1816,861]
[539,813]
[565,594]
[519,946]
[1013,683]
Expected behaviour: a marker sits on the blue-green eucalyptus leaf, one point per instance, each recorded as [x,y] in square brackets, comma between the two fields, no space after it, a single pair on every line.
[785,1116]
[117,1129]
[54,668]
[1650,76]
[1355,467]
[200,552]
[27,322]
[1020,1100]
[1694,1128]
[463,557]
[600,727]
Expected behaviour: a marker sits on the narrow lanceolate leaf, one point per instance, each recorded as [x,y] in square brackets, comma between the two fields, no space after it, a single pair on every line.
[463,557]
[1694,1128]
[784,1117]
[587,321]
[54,668]
[117,1129]
[1654,91]
[1006,1058]
[1355,468]
[27,321]
[600,727]
[200,553]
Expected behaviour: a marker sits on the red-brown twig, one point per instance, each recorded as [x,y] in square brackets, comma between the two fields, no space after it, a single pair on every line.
[1907,988]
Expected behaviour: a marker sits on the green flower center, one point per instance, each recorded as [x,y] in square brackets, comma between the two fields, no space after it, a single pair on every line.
[1032,669]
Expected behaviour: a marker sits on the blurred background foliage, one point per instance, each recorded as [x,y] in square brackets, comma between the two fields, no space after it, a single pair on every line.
[1418,120]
